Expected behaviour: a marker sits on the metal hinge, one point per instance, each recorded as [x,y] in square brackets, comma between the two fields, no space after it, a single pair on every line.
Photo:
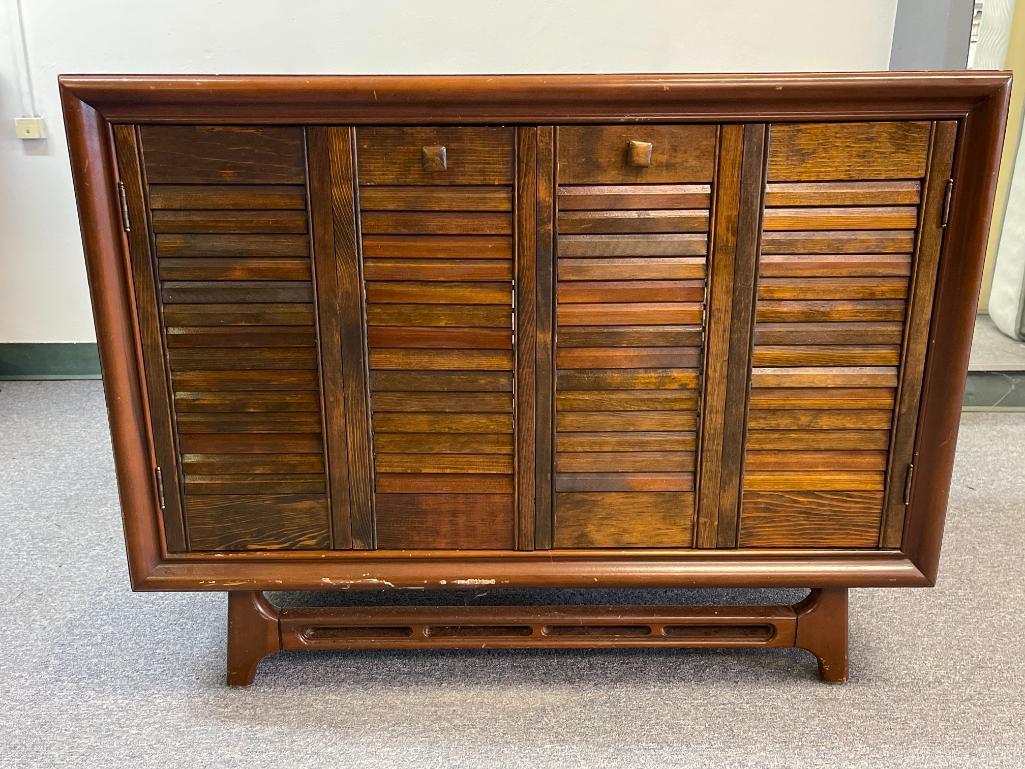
[160,487]
[947,195]
[125,221]
[907,484]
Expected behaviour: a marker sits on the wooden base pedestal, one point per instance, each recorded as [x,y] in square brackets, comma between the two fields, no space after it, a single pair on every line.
[256,628]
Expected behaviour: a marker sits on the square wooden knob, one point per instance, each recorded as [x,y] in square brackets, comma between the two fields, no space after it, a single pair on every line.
[434,157]
[639,153]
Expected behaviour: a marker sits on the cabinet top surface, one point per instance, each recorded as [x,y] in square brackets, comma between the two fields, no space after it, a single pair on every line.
[533,98]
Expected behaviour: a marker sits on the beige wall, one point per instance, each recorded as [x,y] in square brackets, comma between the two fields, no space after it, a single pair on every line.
[1014,60]
[42,280]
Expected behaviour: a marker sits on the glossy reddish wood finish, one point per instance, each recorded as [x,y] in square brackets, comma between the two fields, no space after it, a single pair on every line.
[976,100]
[256,628]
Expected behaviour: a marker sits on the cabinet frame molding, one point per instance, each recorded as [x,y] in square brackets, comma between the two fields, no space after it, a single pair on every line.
[93,106]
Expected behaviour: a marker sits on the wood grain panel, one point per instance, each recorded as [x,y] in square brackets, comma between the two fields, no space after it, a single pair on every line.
[441,381]
[646,462]
[232,291]
[630,336]
[843,193]
[842,332]
[626,400]
[834,265]
[439,338]
[270,222]
[595,482]
[241,336]
[628,357]
[623,519]
[627,442]
[848,151]
[231,245]
[425,483]
[839,242]
[631,291]
[176,154]
[482,521]
[833,288]
[811,519]
[592,246]
[842,218]
[470,198]
[435,222]
[805,440]
[621,222]
[232,359]
[432,246]
[630,314]
[247,422]
[642,268]
[598,154]
[826,355]
[213,197]
[392,156]
[235,269]
[634,379]
[450,270]
[258,521]
[398,292]
[626,197]
[444,443]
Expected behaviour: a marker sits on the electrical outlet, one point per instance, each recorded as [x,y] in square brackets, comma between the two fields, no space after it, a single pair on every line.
[29,128]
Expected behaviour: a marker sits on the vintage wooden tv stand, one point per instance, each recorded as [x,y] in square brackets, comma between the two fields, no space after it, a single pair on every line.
[534,332]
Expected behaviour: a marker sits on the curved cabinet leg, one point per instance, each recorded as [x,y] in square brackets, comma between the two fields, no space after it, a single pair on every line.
[253,633]
[822,630]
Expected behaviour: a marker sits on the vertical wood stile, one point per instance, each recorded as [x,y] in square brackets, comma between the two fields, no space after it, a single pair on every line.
[920,306]
[723,247]
[147,299]
[329,310]
[525,332]
[354,343]
[544,404]
[745,291]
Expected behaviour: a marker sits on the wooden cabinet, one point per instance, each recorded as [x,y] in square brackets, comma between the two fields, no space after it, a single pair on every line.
[621,331]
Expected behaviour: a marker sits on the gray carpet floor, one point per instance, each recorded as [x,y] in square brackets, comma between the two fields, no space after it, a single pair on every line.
[93,675]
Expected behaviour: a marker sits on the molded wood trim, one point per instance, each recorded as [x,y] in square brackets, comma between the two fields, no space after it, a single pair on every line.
[977,100]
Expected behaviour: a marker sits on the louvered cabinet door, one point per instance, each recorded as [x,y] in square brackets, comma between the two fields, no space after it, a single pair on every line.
[631,269]
[221,259]
[849,251]
[436,218]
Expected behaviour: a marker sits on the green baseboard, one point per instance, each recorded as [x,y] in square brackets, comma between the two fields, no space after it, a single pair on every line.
[49,360]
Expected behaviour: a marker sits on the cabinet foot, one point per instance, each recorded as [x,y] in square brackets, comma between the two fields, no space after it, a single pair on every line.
[256,628]
[822,630]
[253,633]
